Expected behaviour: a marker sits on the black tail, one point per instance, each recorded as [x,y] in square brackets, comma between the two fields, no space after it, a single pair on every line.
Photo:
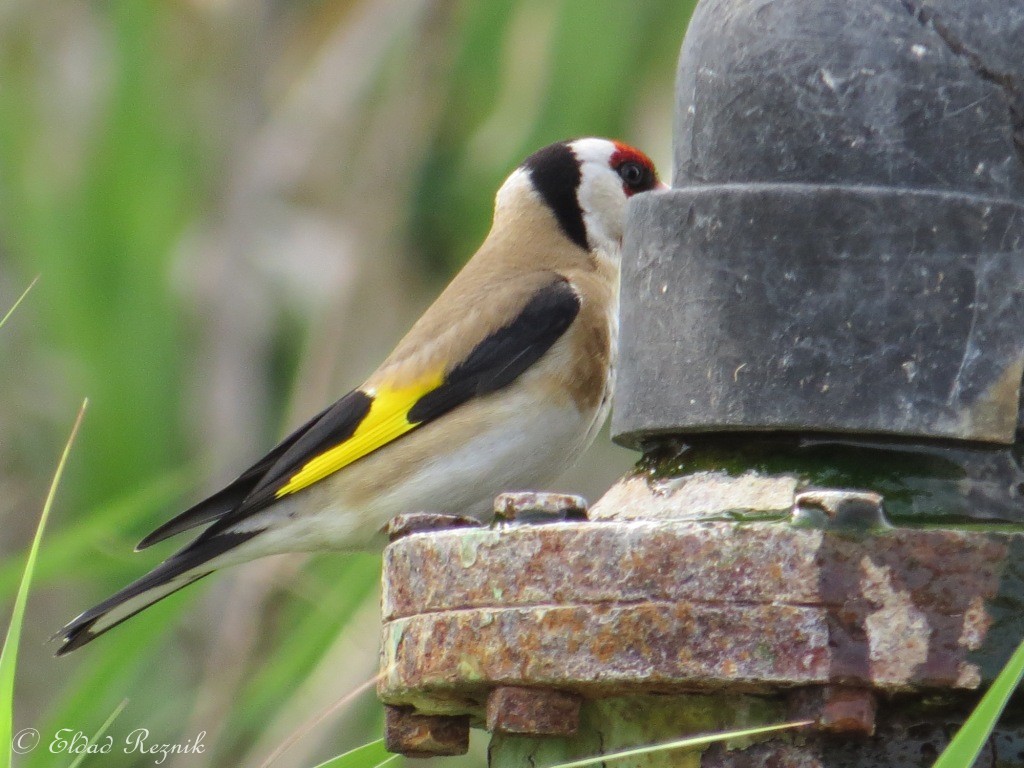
[177,572]
[213,508]
[228,498]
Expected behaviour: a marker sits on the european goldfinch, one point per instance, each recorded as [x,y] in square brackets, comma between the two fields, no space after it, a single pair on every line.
[500,385]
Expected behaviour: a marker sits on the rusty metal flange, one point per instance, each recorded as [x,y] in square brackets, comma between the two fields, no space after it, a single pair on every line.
[617,607]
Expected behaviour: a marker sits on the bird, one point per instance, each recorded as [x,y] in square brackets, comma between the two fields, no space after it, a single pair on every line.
[499,386]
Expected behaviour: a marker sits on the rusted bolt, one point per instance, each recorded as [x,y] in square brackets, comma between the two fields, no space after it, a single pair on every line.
[839,508]
[407,733]
[535,711]
[535,507]
[836,709]
[418,522]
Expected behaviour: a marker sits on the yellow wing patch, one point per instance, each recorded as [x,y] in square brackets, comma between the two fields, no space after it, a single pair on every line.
[386,420]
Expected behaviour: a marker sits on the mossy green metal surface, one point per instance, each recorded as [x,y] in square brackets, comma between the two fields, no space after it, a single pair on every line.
[934,483]
[614,724]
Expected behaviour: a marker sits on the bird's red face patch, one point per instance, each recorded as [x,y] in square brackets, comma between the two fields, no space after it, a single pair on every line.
[635,168]
[624,152]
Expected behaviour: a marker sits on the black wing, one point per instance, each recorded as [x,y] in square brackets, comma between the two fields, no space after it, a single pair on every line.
[332,425]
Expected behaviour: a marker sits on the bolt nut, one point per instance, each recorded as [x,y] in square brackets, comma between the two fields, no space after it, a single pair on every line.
[839,509]
[535,711]
[836,709]
[413,735]
[420,522]
[535,507]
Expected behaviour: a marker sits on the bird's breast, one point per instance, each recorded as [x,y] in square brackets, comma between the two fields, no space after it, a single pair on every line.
[589,354]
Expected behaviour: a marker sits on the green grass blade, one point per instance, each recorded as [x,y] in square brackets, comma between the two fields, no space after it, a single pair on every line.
[21,298]
[99,734]
[9,654]
[372,755]
[313,722]
[964,748]
[693,741]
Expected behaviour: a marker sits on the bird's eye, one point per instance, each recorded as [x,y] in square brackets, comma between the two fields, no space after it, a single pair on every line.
[634,175]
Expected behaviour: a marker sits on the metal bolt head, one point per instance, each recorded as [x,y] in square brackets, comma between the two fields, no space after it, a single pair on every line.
[535,711]
[537,507]
[836,709]
[839,509]
[419,522]
[413,735]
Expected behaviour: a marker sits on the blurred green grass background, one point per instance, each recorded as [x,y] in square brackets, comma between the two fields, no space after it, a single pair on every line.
[235,209]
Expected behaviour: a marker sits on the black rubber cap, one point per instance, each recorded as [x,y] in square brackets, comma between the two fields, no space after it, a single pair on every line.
[843,249]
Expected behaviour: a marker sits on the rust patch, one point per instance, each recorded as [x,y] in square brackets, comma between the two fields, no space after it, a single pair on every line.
[407,733]
[627,648]
[601,563]
[836,709]
[512,709]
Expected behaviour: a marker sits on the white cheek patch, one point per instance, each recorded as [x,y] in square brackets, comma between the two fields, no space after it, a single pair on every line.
[600,195]
[604,208]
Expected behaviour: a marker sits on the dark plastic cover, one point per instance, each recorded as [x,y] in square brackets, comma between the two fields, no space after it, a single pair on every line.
[843,251]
